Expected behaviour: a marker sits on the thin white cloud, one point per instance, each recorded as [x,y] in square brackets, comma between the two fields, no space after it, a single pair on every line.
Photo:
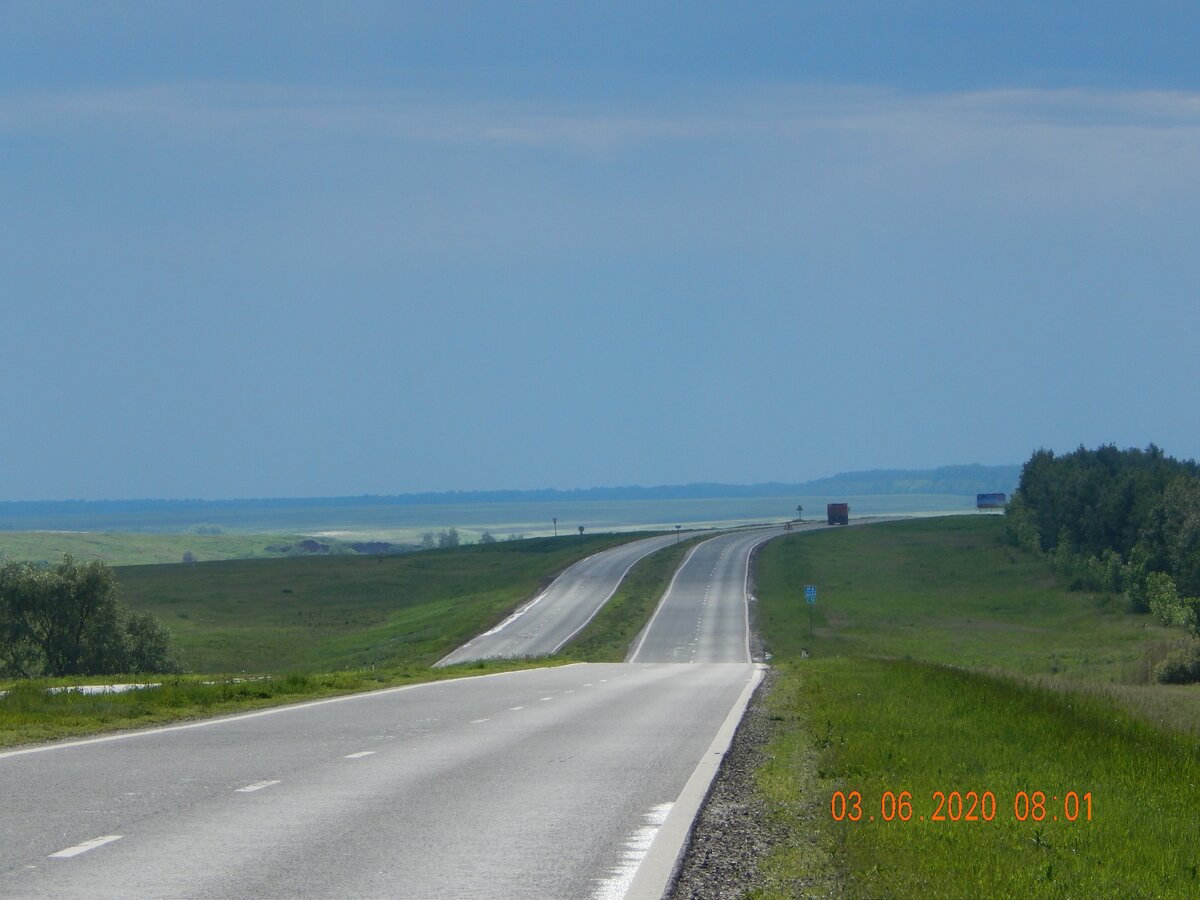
[255,111]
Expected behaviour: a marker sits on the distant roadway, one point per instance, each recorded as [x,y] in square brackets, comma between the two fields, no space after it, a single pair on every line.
[576,781]
[546,623]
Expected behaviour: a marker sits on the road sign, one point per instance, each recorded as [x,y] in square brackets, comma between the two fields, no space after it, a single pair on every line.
[810,593]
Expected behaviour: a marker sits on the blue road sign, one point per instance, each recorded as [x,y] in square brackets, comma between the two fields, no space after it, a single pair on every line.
[810,593]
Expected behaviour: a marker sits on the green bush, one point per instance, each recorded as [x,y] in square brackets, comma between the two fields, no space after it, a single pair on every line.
[1181,666]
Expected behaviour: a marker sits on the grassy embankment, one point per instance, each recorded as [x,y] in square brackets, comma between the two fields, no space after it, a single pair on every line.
[943,660]
[369,621]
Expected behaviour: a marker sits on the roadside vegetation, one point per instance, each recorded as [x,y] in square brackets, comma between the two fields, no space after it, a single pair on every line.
[944,659]
[1121,521]
[262,631]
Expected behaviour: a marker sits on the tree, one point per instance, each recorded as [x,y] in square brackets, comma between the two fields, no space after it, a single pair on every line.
[427,541]
[581,531]
[449,538]
[487,538]
[189,558]
[67,620]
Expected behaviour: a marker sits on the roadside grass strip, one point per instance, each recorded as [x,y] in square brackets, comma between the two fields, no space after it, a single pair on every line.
[954,715]
[889,735]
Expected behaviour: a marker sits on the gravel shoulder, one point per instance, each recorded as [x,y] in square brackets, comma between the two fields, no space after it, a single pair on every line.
[733,831]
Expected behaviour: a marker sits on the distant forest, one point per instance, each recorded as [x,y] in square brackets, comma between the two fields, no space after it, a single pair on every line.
[960,480]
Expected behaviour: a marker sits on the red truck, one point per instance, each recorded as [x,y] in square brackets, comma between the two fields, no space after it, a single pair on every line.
[838,513]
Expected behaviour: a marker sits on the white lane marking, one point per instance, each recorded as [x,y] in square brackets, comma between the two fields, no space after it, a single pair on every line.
[85,846]
[479,721]
[637,845]
[257,786]
[520,612]
[545,698]
[589,684]
[568,692]
[515,708]
[359,755]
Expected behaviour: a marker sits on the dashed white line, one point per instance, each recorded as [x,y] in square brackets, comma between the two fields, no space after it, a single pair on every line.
[545,698]
[359,755]
[85,846]
[479,721]
[515,708]
[257,786]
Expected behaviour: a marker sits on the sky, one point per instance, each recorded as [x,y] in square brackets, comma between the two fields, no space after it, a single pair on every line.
[319,249]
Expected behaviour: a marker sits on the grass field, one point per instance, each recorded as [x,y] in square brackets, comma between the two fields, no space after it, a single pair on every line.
[319,614]
[905,690]
[363,622]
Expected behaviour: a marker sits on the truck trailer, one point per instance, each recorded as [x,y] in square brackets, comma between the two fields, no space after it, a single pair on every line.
[838,513]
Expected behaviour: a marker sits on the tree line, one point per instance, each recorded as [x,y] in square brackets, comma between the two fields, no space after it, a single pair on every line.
[67,619]
[1125,521]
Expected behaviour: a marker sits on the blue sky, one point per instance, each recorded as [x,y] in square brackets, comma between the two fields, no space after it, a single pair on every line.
[298,249]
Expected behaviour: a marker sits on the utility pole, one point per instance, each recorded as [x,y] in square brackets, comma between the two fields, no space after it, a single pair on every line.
[556,526]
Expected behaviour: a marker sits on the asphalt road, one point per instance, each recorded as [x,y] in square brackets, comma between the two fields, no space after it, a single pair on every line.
[703,618]
[578,781]
[546,623]
[546,783]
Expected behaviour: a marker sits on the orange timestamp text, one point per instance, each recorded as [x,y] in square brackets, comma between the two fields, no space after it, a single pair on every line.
[961,806]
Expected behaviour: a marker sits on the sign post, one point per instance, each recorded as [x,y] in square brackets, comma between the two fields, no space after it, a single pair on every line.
[810,595]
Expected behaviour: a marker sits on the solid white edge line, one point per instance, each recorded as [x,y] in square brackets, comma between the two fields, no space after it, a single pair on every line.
[746,589]
[274,710]
[661,860]
[85,846]
[663,601]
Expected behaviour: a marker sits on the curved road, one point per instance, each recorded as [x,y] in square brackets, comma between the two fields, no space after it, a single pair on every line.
[702,617]
[543,625]
[577,781]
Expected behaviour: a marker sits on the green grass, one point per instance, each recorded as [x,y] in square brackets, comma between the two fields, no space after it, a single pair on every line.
[905,689]
[364,622]
[318,614]
[131,549]
[607,638]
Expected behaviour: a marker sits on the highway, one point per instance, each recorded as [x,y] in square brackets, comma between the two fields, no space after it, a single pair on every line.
[577,781]
[703,617]
[543,625]
[545,783]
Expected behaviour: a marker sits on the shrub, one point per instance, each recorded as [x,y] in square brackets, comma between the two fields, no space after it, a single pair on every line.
[1181,666]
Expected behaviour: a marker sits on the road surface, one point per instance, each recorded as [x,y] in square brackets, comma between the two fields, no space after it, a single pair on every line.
[578,781]
[542,626]
[702,618]
[545,783]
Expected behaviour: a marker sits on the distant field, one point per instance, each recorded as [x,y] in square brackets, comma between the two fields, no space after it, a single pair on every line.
[319,614]
[943,660]
[126,549]
[149,537]
[405,522]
